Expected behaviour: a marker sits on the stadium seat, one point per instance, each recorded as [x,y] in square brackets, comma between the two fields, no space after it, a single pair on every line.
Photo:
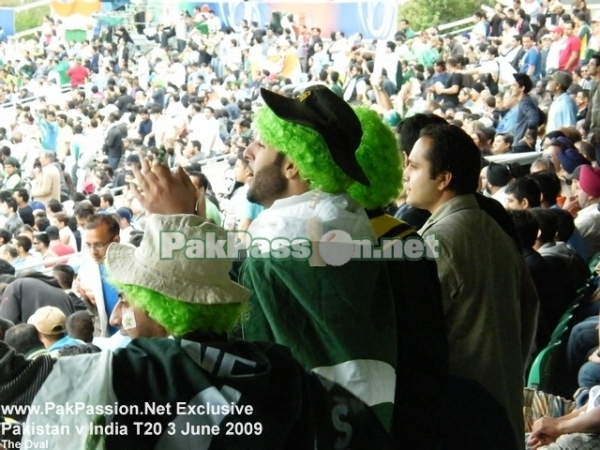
[594,262]
[543,374]
[562,331]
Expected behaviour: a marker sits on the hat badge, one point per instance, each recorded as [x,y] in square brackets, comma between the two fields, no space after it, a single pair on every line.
[304,96]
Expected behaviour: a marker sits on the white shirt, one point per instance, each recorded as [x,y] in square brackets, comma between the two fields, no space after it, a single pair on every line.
[196,123]
[498,66]
[164,129]
[175,109]
[125,234]
[214,23]
[501,196]
[532,9]
[177,74]
[211,132]
[553,55]
[287,218]
[588,224]
[181,29]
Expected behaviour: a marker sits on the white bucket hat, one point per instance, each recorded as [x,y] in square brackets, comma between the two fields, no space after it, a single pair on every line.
[199,281]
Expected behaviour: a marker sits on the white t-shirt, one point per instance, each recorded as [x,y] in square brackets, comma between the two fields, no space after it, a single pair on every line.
[498,66]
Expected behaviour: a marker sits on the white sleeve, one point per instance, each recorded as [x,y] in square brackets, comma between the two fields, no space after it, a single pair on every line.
[487,67]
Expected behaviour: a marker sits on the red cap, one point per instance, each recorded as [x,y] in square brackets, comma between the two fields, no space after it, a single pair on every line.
[589,180]
[559,30]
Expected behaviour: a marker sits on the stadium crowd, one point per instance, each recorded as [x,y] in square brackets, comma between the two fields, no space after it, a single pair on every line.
[103,144]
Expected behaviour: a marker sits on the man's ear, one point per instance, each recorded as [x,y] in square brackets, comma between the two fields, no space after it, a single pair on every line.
[290,169]
[444,180]
[524,203]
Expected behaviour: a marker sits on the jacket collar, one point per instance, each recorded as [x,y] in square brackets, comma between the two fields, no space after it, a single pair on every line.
[458,203]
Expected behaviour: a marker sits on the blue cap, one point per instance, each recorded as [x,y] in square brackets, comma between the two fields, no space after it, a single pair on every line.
[124,213]
[37,205]
[570,159]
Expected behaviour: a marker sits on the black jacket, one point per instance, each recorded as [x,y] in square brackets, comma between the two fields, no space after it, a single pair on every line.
[21,379]
[24,296]
[113,146]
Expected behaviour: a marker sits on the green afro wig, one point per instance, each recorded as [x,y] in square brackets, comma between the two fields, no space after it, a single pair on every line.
[180,318]
[378,156]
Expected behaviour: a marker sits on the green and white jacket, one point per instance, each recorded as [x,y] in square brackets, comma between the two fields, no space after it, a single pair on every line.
[174,394]
[337,321]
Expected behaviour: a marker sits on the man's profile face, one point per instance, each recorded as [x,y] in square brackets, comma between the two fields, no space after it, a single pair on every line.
[134,322]
[499,146]
[592,68]
[568,29]
[267,182]
[421,190]
[97,241]
[513,203]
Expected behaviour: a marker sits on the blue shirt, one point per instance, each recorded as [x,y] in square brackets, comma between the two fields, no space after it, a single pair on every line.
[562,113]
[111,296]
[50,134]
[67,340]
[509,121]
[253,210]
[532,58]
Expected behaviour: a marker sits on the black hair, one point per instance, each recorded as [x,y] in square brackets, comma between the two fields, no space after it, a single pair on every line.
[525,188]
[84,210]
[5,325]
[11,202]
[23,338]
[25,242]
[452,150]
[549,184]
[410,129]
[64,274]
[565,224]
[80,325]
[54,206]
[42,223]
[526,226]
[94,200]
[43,238]
[547,222]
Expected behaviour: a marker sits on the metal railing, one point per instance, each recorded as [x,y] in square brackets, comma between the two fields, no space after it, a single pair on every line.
[41,266]
[37,4]
[521,158]
[65,89]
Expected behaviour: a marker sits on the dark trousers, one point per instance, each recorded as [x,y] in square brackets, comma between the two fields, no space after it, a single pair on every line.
[113,162]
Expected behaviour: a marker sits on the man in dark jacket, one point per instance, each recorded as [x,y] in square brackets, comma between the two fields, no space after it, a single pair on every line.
[31,291]
[409,134]
[124,100]
[113,145]
[528,119]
